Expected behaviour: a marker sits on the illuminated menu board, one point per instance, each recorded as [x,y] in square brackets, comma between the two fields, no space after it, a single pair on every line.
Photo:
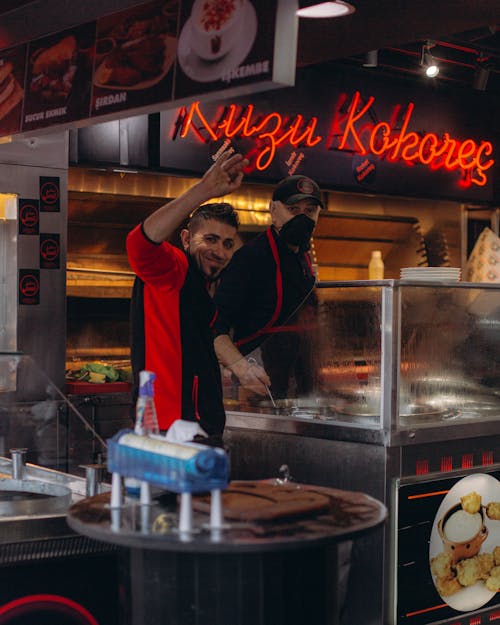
[150,55]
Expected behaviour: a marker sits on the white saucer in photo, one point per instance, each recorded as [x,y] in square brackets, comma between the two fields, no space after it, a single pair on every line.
[208,71]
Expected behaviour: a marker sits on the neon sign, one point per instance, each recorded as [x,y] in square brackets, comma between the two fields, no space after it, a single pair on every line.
[354,129]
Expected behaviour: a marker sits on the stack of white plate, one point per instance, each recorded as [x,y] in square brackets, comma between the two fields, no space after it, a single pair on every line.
[431,274]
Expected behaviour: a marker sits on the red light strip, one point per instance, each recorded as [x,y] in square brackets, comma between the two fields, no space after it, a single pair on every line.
[15,607]
[494,616]
[434,607]
[446,464]
[423,495]
[467,461]
[487,457]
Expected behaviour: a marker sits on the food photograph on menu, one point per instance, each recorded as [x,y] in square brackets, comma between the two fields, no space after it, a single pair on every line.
[224,43]
[464,548]
[58,82]
[12,70]
[135,53]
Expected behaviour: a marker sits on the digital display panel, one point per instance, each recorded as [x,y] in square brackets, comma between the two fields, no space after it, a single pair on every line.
[448,549]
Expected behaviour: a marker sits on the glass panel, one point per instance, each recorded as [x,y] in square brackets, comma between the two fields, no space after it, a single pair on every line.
[37,416]
[324,363]
[348,352]
[450,369]
[8,286]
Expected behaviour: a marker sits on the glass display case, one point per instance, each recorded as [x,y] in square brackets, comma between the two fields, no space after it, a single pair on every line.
[37,416]
[399,357]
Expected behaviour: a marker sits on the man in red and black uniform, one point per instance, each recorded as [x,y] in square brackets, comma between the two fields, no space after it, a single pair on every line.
[266,282]
[172,308]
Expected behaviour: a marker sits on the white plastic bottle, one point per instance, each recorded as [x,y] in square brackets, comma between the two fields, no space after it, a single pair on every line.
[146,421]
[376,266]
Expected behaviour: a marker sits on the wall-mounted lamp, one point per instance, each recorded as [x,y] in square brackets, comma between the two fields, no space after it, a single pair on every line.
[428,62]
[315,9]
[481,74]
[371,59]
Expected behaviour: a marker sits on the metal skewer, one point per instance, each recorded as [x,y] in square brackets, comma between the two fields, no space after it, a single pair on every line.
[270,395]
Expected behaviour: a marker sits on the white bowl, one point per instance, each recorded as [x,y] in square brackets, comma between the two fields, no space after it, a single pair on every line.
[214,34]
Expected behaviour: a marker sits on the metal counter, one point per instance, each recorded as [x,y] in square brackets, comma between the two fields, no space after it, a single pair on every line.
[41,556]
[406,377]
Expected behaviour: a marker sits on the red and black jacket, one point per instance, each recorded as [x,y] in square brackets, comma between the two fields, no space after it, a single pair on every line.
[263,285]
[172,317]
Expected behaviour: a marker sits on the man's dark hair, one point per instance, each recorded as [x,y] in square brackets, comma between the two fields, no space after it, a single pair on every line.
[220,211]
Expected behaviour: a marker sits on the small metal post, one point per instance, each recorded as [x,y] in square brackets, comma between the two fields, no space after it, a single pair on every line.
[216,516]
[116,490]
[186,516]
[92,479]
[18,462]
[145,496]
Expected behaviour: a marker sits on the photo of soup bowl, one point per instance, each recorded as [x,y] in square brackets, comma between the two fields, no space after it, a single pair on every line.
[462,533]
[216,27]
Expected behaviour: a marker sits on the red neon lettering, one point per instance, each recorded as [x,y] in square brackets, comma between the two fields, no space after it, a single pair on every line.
[188,121]
[465,151]
[354,117]
[427,149]
[269,133]
[412,140]
[239,128]
[385,145]
[402,136]
[449,163]
[355,134]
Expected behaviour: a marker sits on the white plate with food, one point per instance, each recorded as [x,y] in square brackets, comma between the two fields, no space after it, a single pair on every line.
[464,547]
[137,65]
[201,70]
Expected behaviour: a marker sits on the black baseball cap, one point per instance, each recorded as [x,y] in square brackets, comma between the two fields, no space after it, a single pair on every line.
[296,188]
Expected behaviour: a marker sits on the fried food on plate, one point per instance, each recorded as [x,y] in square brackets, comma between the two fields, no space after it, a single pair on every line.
[493,510]
[486,563]
[469,571]
[471,502]
[441,565]
[447,586]
[493,581]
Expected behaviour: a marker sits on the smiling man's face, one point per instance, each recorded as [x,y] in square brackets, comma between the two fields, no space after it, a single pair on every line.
[211,244]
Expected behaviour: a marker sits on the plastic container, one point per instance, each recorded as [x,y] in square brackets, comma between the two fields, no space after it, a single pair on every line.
[178,467]
[376,266]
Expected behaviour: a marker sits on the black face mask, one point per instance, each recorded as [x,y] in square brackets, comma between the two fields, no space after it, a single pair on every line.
[298,232]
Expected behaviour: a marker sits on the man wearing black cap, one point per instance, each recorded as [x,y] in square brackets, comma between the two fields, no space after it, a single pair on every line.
[267,280]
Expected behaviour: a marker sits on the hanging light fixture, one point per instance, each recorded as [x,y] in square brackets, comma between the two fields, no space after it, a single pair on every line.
[337,8]
[371,59]
[481,73]
[428,62]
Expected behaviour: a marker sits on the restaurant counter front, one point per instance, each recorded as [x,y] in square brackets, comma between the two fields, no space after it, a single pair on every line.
[403,403]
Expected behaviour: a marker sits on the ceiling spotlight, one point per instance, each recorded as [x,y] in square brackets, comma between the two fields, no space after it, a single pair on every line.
[325,9]
[481,74]
[428,62]
[371,59]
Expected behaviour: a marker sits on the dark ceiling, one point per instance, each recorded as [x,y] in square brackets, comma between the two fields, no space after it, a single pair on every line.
[460,31]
